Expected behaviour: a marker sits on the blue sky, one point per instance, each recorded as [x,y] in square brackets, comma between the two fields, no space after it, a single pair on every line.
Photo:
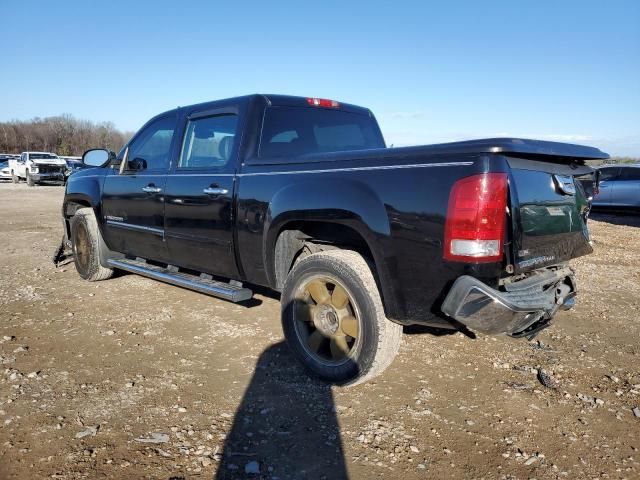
[430,71]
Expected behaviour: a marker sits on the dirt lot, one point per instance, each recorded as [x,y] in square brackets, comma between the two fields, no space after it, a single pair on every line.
[94,373]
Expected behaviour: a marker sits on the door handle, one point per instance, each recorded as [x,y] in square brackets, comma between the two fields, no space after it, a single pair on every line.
[215,191]
[151,189]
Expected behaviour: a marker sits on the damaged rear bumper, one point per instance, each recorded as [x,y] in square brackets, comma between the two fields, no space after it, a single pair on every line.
[524,308]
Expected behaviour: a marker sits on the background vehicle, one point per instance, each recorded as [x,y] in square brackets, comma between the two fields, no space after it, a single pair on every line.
[619,187]
[5,171]
[35,167]
[300,195]
[74,164]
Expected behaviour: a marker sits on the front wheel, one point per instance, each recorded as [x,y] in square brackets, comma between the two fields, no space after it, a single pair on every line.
[87,246]
[333,318]
[30,181]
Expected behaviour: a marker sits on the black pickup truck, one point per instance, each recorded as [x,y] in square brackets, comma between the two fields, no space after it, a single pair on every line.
[302,196]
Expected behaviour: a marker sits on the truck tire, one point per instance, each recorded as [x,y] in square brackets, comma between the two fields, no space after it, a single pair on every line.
[30,181]
[14,178]
[87,245]
[333,318]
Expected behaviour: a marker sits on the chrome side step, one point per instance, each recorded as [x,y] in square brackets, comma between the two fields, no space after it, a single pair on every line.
[203,284]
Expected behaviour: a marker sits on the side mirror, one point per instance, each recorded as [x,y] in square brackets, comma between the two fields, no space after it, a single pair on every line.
[97,157]
[137,164]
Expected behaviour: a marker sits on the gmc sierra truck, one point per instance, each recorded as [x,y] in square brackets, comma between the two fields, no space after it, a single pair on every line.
[302,196]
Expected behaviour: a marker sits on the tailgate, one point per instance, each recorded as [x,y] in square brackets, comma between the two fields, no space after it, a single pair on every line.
[549,208]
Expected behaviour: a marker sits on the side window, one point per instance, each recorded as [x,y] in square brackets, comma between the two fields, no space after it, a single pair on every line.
[208,142]
[609,173]
[630,173]
[153,144]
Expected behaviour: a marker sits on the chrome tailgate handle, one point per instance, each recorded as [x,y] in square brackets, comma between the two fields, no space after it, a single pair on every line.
[565,184]
[215,191]
[151,189]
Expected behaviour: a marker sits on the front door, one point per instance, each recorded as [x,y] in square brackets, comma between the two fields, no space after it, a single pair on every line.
[626,191]
[199,195]
[133,198]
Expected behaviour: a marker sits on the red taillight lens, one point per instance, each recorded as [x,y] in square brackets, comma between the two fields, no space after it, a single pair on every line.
[323,102]
[474,229]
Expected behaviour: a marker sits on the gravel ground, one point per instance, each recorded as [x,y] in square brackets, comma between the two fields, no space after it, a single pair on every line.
[130,378]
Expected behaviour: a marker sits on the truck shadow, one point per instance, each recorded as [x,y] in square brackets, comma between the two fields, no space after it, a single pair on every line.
[285,426]
[624,218]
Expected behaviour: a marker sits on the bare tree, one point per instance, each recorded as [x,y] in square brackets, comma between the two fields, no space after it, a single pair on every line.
[63,134]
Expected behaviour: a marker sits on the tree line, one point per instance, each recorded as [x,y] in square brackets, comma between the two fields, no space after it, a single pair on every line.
[64,135]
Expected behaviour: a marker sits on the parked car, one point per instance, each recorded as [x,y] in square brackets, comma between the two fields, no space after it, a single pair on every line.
[36,167]
[5,171]
[619,187]
[301,195]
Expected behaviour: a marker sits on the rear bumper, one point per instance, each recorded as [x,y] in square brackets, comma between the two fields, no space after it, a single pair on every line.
[524,308]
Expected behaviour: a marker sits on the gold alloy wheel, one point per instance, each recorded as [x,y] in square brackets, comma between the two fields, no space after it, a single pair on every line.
[327,320]
[81,244]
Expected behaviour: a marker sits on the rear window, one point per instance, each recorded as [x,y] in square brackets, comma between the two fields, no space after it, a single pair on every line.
[292,131]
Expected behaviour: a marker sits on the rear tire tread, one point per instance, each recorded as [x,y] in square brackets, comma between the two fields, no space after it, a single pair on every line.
[347,264]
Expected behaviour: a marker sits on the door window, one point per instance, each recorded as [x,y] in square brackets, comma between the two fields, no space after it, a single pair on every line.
[209,142]
[152,147]
[630,173]
[609,173]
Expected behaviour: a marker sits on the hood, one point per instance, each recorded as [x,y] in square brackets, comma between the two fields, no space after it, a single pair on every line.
[43,161]
[91,172]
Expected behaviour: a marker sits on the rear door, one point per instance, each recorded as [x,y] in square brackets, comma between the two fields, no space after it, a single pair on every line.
[199,193]
[626,189]
[548,213]
[608,178]
[133,198]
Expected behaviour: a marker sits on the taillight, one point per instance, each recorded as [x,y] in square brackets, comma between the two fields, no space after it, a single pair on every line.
[323,102]
[474,229]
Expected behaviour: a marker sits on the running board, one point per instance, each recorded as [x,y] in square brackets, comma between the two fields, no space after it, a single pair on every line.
[203,284]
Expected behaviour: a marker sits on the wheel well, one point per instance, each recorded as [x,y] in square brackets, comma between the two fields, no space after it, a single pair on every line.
[299,239]
[70,209]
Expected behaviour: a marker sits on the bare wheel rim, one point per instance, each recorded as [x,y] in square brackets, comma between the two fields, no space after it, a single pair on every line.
[81,244]
[327,320]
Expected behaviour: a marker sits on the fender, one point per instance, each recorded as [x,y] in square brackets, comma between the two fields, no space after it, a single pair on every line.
[85,188]
[331,199]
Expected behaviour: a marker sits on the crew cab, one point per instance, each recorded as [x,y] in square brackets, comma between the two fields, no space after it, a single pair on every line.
[302,196]
[36,167]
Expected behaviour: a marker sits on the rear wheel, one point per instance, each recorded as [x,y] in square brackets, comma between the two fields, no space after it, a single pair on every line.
[14,177]
[333,319]
[87,246]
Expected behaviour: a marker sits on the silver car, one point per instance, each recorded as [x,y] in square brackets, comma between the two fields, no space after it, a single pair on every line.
[5,172]
[619,187]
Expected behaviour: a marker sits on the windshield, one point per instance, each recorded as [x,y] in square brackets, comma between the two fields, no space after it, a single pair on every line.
[42,156]
[291,131]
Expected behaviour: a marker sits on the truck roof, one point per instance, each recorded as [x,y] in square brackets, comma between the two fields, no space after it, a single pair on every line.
[271,99]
